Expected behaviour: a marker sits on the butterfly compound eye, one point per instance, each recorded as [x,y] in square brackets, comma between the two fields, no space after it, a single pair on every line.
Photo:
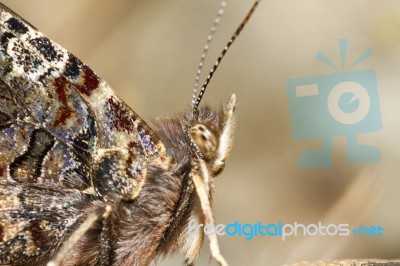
[205,139]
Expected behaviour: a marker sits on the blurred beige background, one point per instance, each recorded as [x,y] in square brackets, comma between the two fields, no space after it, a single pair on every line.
[149,50]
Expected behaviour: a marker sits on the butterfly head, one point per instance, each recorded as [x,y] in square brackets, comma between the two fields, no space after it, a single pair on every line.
[210,134]
[198,143]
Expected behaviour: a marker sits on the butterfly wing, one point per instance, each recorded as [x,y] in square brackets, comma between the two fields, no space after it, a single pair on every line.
[65,139]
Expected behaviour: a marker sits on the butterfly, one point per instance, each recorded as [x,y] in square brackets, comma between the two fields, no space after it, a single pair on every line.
[84,180]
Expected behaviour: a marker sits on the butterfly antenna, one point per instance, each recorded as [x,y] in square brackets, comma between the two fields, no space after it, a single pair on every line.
[222,54]
[205,49]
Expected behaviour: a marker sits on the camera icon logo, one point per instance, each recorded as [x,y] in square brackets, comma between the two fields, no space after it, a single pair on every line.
[326,106]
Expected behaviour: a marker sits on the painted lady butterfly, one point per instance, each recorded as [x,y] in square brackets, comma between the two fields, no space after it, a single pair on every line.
[83,179]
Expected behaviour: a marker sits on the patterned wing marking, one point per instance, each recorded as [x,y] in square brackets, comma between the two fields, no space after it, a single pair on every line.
[66,97]
[30,153]
[33,234]
[29,164]
[45,96]
[119,122]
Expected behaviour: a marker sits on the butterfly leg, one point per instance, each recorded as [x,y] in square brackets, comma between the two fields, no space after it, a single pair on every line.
[200,181]
[70,243]
[183,205]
